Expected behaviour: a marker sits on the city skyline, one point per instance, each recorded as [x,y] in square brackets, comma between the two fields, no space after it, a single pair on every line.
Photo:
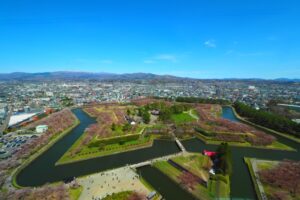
[196,39]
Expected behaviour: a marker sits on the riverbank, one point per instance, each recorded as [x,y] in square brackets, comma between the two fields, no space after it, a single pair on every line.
[254,177]
[275,179]
[242,187]
[112,149]
[200,184]
[276,146]
[101,154]
[264,128]
[41,151]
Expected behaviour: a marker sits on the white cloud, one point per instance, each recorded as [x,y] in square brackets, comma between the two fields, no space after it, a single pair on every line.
[161,57]
[210,43]
[166,57]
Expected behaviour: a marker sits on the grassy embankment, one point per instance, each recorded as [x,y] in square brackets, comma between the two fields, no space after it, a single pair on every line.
[275,145]
[119,196]
[264,128]
[208,137]
[52,140]
[102,147]
[74,193]
[119,142]
[249,165]
[268,189]
[216,188]
[122,138]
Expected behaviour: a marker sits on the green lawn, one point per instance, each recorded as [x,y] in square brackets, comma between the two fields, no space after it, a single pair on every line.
[75,193]
[92,152]
[168,169]
[262,165]
[119,130]
[278,145]
[119,196]
[219,188]
[196,164]
[182,118]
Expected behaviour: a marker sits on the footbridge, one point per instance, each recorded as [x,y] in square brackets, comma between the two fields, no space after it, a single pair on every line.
[149,162]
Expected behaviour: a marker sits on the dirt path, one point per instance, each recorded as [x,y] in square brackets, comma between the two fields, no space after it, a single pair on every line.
[113,181]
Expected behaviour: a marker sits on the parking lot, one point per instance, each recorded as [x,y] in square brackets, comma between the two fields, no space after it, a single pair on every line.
[10,143]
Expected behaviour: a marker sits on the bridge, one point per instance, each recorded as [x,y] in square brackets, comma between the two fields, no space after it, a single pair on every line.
[163,158]
[149,162]
[179,144]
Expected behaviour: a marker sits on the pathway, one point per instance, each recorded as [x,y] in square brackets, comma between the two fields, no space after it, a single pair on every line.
[259,184]
[163,158]
[193,115]
[179,144]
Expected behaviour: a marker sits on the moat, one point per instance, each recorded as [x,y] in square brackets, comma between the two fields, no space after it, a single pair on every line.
[43,169]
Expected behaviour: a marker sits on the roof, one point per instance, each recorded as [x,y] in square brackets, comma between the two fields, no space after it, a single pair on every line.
[15,119]
[209,153]
[42,126]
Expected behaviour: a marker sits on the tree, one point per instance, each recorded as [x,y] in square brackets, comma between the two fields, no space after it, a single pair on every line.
[188,180]
[268,119]
[126,127]
[101,146]
[285,175]
[202,100]
[137,196]
[224,159]
[146,117]
[113,127]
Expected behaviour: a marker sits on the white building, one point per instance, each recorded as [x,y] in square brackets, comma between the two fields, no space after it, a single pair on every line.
[41,128]
[16,119]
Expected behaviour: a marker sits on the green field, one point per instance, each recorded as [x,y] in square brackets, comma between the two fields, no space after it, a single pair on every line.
[220,188]
[196,164]
[120,132]
[119,196]
[75,193]
[181,118]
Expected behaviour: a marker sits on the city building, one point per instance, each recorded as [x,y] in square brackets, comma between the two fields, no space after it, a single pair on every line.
[41,128]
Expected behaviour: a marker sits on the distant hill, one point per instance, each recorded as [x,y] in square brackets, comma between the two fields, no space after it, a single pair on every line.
[65,75]
[69,75]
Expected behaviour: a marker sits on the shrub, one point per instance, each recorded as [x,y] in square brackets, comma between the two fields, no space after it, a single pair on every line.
[205,133]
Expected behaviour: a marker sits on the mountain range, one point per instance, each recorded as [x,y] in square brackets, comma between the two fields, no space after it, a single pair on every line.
[70,75]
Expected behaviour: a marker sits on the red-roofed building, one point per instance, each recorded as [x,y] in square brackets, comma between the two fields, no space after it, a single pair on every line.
[209,153]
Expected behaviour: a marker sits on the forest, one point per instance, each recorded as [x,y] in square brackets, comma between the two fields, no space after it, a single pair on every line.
[202,100]
[268,119]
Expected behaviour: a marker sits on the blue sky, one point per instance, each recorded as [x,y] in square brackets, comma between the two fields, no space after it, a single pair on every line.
[200,38]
